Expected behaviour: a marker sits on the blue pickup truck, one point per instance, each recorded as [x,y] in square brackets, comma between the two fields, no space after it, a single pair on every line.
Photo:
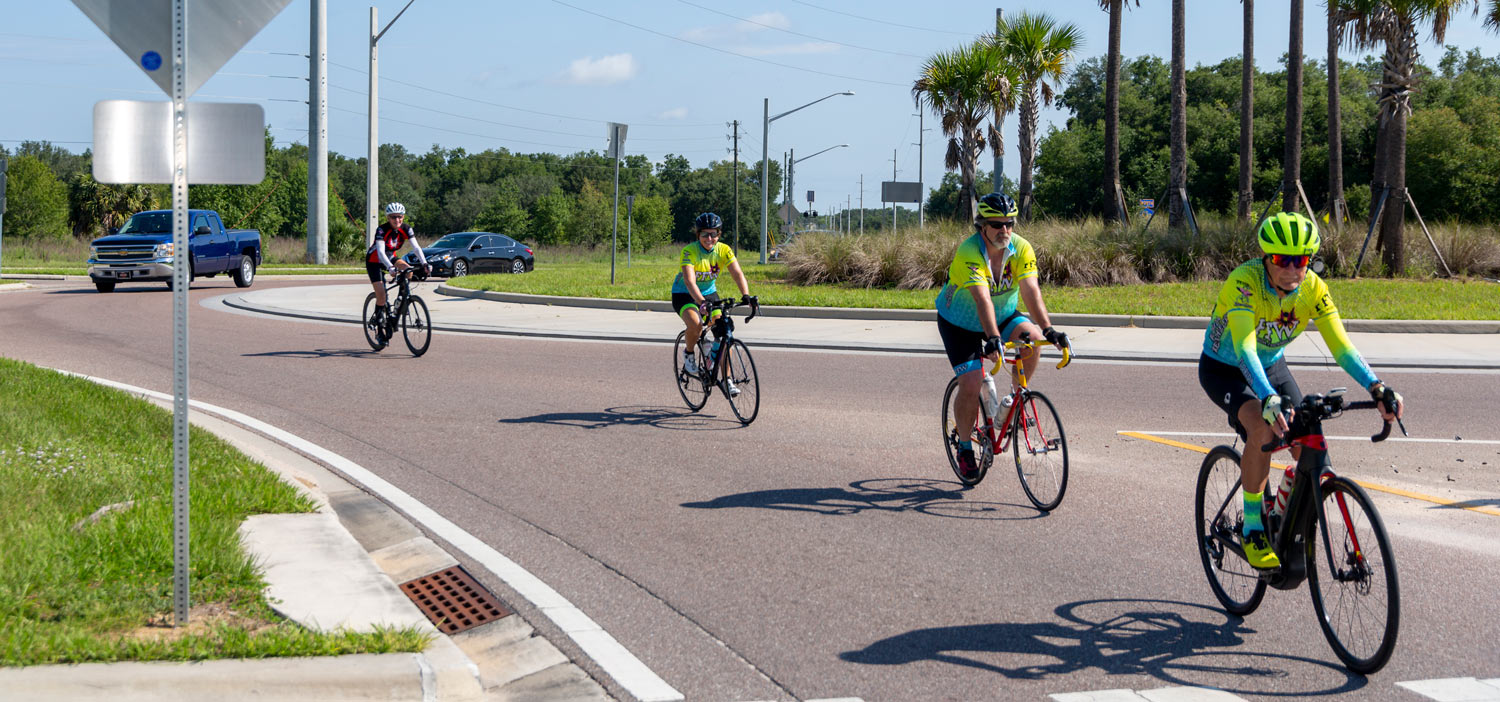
[142,250]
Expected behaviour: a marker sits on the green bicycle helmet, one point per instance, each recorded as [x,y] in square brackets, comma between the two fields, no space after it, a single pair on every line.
[1288,233]
[997,205]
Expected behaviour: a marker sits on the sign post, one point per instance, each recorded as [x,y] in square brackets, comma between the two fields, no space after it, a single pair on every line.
[616,150]
[629,220]
[146,30]
[3,166]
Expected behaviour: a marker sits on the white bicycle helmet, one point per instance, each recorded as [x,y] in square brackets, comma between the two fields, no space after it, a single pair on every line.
[395,208]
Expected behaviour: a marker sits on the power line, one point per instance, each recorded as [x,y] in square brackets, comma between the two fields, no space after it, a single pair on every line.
[800,34]
[487,136]
[726,51]
[878,21]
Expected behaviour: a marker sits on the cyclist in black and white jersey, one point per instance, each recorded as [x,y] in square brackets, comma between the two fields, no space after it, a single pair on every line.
[380,257]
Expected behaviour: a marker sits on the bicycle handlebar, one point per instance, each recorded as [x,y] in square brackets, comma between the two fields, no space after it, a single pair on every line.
[1326,408]
[727,305]
[1067,351]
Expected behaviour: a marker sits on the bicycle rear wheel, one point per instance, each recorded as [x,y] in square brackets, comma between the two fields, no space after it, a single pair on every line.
[1219,514]
[1357,597]
[741,370]
[416,326]
[984,451]
[1041,450]
[372,328]
[691,386]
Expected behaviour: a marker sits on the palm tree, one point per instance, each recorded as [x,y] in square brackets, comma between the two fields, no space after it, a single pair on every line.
[1041,50]
[1393,24]
[1177,167]
[1491,15]
[1292,161]
[961,87]
[1337,208]
[1115,210]
[1247,115]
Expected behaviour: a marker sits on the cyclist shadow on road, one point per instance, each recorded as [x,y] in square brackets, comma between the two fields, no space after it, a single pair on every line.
[1175,642]
[328,353]
[938,498]
[659,417]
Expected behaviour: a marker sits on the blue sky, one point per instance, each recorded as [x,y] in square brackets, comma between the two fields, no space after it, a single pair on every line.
[547,75]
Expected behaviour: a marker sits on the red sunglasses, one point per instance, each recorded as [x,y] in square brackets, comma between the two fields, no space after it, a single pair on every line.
[1290,261]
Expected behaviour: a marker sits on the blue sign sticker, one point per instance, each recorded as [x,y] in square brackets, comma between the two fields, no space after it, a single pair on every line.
[150,60]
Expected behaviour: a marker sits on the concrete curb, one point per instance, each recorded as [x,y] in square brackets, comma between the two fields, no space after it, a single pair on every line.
[1387,326]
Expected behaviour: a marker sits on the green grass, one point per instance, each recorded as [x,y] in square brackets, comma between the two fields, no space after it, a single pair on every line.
[650,279]
[71,593]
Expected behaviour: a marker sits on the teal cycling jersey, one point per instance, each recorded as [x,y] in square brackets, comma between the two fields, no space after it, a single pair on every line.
[972,266]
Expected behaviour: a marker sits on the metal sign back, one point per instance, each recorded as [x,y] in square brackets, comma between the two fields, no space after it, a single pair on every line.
[900,191]
[143,30]
[617,139]
[133,142]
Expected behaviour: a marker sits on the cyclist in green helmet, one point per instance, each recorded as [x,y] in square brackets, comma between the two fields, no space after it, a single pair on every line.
[1262,307]
[977,310]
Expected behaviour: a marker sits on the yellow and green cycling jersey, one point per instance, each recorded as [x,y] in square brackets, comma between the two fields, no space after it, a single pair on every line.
[1252,324]
[972,266]
[707,265]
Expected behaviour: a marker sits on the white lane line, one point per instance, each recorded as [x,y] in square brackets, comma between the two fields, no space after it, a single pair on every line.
[619,663]
[1405,439]
[1163,694]
[1456,689]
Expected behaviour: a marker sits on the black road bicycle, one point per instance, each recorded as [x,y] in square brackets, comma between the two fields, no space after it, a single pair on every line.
[725,363]
[1330,535]
[404,311]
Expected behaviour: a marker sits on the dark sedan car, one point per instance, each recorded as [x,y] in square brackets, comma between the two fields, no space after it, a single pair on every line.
[465,253]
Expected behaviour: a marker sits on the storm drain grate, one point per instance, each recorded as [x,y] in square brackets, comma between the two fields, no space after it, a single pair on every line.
[453,600]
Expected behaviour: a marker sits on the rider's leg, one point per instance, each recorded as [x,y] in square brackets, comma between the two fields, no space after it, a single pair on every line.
[966,403]
[1030,357]
[379,294]
[694,324]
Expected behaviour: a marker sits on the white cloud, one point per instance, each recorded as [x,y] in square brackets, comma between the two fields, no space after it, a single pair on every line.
[602,71]
[674,113]
[737,30]
[810,47]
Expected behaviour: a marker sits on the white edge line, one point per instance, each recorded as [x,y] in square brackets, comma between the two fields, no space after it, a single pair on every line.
[1406,439]
[617,661]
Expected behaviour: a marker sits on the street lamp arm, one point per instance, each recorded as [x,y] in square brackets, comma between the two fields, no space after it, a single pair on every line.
[810,104]
[393,21]
[804,158]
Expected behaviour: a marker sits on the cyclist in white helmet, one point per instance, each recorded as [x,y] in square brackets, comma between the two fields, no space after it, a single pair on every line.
[381,256]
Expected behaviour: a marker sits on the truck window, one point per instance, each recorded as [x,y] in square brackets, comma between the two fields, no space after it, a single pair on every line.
[213,222]
[199,221]
[148,223]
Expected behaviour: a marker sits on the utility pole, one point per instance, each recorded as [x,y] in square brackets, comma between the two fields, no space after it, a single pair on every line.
[848,201]
[861,203]
[372,164]
[317,134]
[786,167]
[893,202]
[921,188]
[999,160]
[736,127]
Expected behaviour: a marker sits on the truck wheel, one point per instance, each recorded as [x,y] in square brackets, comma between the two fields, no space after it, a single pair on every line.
[245,274]
[104,285]
[191,275]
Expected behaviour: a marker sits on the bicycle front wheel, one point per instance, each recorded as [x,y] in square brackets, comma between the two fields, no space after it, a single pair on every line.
[416,326]
[691,386]
[1041,451]
[1219,514]
[744,399]
[1356,596]
[984,451]
[372,328]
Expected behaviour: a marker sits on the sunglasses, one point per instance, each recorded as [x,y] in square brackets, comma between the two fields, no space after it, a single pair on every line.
[1290,261]
[709,232]
[1011,224]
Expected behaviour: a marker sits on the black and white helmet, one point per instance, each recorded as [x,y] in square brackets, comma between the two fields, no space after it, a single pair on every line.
[395,208]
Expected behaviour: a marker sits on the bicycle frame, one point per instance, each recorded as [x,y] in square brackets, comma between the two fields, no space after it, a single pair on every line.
[1001,441]
[723,331]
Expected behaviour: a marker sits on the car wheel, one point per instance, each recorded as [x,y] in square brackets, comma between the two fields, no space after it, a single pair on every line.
[172,280]
[245,275]
[460,268]
[518,266]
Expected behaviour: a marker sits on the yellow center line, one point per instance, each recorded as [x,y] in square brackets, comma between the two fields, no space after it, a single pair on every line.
[1364,484]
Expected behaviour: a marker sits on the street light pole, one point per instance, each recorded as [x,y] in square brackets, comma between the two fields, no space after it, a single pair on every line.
[791,170]
[372,182]
[765,166]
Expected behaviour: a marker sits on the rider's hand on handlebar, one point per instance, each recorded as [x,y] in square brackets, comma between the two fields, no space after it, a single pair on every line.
[992,349]
[1275,415]
[1388,401]
[750,300]
[1056,338]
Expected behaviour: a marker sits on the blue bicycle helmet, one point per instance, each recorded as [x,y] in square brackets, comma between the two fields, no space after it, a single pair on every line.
[708,220]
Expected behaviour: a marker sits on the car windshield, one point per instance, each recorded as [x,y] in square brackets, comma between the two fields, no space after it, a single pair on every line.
[454,241]
[148,223]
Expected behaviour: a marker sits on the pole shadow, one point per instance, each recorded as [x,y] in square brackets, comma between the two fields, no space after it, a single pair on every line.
[659,417]
[1180,643]
[938,498]
[327,353]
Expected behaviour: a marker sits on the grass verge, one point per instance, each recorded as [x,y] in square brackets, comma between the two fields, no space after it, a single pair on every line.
[649,278]
[77,590]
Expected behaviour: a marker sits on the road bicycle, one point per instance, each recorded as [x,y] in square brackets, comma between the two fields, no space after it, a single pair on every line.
[725,363]
[1354,587]
[1031,428]
[410,315]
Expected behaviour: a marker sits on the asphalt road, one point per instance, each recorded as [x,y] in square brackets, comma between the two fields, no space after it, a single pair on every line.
[825,551]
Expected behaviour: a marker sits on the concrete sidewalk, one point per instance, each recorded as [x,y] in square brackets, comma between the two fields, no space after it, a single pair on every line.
[1451,345]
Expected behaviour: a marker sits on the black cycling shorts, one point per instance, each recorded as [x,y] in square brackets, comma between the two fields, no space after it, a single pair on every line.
[682,301]
[376,271]
[965,348]
[1227,387]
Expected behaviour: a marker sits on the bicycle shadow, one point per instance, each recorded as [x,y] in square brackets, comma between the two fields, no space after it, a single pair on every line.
[939,498]
[1160,638]
[658,417]
[325,353]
